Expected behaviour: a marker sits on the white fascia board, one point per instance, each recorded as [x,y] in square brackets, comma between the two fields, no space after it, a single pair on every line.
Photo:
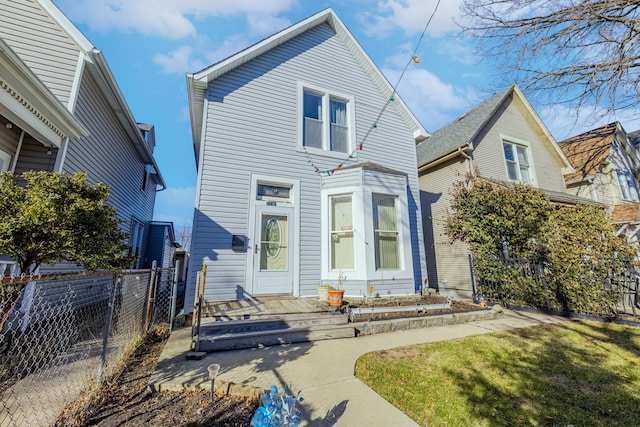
[64,22]
[120,107]
[32,96]
[567,168]
[195,94]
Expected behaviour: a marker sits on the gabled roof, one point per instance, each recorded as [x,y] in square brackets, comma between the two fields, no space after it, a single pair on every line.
[587,151]
[461,133]
[197,82]
[99,68]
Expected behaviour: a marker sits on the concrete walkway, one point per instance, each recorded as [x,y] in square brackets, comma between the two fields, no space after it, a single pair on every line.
[322,370]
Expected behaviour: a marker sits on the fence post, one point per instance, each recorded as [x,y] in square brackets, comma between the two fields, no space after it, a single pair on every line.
[107,326]
[152,294]
[544,282]
[201,277]
[174,295]
[474,294]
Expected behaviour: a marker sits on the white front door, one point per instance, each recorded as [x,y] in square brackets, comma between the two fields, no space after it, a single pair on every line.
[273,250]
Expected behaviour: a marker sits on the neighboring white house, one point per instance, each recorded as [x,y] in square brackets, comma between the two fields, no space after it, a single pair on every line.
[299,181]
[62,110]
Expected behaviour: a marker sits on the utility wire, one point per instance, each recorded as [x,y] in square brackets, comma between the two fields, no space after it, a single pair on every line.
[414,58]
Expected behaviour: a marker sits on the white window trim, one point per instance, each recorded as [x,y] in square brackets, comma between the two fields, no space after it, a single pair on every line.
[357,210]
[6,161]
[396,205]
[532,170]
[332,232]
[326,95]
[633,192]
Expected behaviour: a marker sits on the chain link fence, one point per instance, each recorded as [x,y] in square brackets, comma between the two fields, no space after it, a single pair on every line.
[62,335]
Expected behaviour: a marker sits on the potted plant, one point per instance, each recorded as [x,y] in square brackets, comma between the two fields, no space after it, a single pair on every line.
[336,293]
[323,293]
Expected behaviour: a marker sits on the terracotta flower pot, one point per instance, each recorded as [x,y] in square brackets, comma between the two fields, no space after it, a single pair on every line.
[335,297]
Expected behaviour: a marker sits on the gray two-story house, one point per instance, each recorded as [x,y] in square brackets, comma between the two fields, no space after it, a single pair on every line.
[306,170]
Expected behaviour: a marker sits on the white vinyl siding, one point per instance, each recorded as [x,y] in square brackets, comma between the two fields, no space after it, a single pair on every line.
[627,186]
[43,46]
[107,155]
[253,125]
[341,211]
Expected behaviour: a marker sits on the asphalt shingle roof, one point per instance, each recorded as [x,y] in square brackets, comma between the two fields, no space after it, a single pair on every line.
[588,150]
[460,131]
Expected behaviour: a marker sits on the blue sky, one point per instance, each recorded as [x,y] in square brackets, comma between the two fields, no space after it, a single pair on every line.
[151,44]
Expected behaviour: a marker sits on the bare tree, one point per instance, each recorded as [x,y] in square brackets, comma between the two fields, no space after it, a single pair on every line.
[580,52]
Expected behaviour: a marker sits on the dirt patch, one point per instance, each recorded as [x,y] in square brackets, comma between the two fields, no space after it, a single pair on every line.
[126,399]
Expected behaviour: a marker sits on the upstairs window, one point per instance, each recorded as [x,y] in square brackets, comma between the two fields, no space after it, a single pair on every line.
[326,121]
[518,164]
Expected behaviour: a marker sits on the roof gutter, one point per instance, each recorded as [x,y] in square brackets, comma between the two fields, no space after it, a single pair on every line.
[579,180]
[458,151]
[122,111]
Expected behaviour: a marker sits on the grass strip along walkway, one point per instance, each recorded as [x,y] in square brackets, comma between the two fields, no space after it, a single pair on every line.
[573,373]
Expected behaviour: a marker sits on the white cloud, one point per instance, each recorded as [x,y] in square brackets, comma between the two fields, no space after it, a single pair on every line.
[433,102]
[170,18]
[412,16]
[458,50]
[185,59]
[179,61]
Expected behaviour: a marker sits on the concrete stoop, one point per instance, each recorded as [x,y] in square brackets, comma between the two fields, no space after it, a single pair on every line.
[275,330]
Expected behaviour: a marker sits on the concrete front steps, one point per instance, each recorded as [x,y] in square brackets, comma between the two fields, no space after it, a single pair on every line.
[261,330]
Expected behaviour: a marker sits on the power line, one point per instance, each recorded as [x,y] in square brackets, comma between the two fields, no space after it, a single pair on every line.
[414,58]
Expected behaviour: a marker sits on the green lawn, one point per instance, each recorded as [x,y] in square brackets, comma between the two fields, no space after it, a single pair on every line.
[579,373]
